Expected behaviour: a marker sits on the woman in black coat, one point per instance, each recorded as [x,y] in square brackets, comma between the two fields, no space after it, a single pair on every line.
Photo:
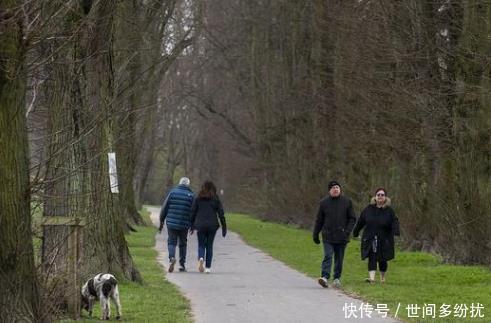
[380,225]
[205,213]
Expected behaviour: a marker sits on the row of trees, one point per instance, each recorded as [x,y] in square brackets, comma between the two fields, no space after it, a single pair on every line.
[270,99]
[78,79]
[286,95]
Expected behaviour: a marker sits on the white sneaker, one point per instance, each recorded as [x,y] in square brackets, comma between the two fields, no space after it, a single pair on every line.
[171,264]
[201,267]
[207,270]
[337,283]
[323,282]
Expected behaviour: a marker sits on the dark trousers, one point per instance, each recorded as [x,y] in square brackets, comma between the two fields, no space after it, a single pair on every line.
[372,263]
[205,245]
[330,250]
[174,236]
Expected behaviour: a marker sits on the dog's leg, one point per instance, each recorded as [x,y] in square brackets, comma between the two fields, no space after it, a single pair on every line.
[91,306]
[115,299]
[108,304]
[104,302]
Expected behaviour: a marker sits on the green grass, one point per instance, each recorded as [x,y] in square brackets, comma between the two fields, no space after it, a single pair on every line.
[156,300]
[412,277]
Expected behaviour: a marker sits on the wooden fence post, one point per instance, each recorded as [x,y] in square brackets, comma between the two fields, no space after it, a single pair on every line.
[66,234]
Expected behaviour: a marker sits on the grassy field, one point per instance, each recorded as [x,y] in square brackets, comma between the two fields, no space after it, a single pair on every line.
[413,277]
[156,300]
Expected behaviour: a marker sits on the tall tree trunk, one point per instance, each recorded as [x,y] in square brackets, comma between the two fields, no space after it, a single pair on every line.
[19,297]
[146,156]
[106,245]
[129,41]
[64,171]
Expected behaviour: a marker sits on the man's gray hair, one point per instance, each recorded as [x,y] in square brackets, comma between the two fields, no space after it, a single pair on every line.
[184,181]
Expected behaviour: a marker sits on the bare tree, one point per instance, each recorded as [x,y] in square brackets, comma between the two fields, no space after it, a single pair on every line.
[371,93]
[20,299]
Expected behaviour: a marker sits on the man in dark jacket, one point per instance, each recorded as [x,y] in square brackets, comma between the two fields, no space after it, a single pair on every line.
[335,219]
[176,211]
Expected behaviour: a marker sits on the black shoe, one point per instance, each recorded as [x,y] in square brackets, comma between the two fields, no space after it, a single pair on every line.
[182,268]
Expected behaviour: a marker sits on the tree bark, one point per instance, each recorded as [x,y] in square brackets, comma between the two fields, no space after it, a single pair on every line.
[19,299]
[106,247]
[128,44]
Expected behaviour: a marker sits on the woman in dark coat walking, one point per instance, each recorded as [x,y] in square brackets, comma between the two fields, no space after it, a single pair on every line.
[380,225]
[205,213]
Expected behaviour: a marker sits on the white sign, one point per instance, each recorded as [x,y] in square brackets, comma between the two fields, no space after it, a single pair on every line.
[113,173]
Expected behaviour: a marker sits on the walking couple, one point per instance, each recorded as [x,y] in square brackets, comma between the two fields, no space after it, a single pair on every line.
[184,213]
[336,219]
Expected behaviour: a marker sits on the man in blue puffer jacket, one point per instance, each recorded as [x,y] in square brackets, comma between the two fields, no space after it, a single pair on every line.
[177,211]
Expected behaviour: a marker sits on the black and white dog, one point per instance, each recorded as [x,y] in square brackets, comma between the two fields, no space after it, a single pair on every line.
[102,287]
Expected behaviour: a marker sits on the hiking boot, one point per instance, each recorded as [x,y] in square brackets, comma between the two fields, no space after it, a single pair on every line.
[323,282]
[171,264]
[336,283]
[207,270]
[201,267]
[182,268]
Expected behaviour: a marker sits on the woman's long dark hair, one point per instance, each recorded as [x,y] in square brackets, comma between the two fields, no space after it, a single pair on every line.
[208,190]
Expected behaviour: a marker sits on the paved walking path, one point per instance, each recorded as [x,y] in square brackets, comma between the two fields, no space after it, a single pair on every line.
[247,285]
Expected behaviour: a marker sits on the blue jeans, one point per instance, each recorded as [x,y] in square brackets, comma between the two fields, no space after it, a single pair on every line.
[205,245]
[330,249]
[182,236]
